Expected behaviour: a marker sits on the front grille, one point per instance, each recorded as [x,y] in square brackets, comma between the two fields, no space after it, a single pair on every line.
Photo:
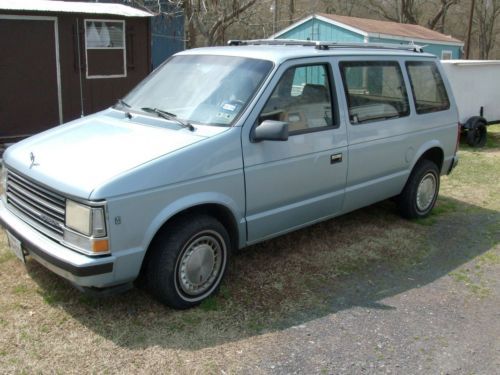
[43,207]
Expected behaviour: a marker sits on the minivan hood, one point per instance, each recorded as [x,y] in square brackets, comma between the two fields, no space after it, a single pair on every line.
[78,157]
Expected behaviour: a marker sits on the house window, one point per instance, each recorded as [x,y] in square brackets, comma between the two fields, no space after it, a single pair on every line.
[105,49]
[446,55]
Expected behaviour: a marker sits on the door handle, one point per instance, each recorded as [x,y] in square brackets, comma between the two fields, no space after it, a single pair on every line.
[336,158]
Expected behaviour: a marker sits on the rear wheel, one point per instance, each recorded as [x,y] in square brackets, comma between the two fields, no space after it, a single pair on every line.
[421,191]
[188,261]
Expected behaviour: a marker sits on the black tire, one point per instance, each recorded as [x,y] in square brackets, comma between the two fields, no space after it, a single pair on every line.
[476,136]
[191,247]
[420,192]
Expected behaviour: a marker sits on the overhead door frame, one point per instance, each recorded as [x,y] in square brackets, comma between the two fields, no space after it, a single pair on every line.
[56,40]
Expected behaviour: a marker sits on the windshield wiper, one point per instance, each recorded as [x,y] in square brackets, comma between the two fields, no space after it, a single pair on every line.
[169,116]
[123,103]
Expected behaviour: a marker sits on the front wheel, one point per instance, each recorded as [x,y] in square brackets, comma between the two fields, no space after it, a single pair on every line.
[188,261]
[421,191]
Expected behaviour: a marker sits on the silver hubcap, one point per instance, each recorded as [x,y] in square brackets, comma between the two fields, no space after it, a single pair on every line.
[200,264]
[426,192]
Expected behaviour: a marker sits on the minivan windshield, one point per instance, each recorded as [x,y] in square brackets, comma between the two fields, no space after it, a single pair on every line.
[200,89]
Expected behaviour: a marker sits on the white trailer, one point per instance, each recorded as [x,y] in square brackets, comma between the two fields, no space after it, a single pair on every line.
[476,88]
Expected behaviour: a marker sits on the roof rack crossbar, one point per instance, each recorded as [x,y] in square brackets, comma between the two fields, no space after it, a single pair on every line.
[326,45]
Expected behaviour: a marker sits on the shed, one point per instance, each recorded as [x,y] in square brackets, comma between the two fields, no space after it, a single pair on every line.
[335,28]
[61,60]
[167,27]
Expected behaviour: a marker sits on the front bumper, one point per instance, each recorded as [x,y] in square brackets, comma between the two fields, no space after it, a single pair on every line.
[80,269]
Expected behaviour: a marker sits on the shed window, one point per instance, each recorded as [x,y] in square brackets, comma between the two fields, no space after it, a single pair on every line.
[105,48]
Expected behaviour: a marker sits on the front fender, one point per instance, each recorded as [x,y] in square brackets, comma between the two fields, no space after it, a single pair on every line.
[193,201]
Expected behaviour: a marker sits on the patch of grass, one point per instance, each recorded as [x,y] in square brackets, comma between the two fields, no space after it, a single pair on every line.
[21,289]
[210,304]
[491,258]
[192,319]
[472,280]
[54,295]
[6,255]
[255,326]
[443,206]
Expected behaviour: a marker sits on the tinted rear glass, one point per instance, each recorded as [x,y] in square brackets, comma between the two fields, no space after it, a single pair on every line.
[428,88]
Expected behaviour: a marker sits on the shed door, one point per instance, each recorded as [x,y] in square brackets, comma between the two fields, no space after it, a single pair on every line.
[28,77]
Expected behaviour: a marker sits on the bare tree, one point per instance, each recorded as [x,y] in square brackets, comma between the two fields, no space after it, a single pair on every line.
[438,21]
[343,7]
[211,18]
[405,11]
[420,12]
[486,15]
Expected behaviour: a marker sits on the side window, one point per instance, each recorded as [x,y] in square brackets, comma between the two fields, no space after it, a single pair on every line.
[302,98]
[428,88]
[375,90]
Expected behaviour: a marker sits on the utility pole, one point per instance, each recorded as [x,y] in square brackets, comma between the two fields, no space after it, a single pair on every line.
[469,29]
[291,11]
[275,15]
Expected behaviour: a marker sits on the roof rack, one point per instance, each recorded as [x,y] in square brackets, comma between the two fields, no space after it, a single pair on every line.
[326,45]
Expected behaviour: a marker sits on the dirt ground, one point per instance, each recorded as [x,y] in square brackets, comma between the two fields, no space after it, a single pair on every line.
[368,293]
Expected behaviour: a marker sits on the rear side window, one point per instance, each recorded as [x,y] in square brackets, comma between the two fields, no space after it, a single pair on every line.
[428,88]
[374,90]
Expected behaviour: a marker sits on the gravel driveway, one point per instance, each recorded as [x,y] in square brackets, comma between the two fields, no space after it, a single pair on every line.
[388,321]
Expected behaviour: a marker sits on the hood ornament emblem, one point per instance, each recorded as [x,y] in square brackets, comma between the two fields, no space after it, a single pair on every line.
[32,158]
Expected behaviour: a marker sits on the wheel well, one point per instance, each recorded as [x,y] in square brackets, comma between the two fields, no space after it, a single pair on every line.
[435,155]
[217,211]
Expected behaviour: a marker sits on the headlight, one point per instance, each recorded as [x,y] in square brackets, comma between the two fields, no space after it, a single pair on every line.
[86,227]
[85,220]
[78,217]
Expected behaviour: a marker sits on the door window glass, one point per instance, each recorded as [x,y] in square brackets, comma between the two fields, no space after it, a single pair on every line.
[374,90]
[302,98]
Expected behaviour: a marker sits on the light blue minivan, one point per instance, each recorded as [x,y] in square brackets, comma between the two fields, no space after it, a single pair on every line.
[223,147]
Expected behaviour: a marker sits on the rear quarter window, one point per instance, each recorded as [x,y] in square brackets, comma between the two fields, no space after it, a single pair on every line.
[429,93]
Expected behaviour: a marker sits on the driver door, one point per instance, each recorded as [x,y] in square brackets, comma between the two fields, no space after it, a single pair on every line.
[293,183]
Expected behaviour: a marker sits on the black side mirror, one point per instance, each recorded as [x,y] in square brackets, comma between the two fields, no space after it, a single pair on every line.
[270,130]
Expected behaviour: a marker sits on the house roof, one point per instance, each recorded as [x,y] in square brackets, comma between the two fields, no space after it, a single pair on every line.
[381,29]
[72,7]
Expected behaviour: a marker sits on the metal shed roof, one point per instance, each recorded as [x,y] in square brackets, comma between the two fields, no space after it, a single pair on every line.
[380,29]
[72,7]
